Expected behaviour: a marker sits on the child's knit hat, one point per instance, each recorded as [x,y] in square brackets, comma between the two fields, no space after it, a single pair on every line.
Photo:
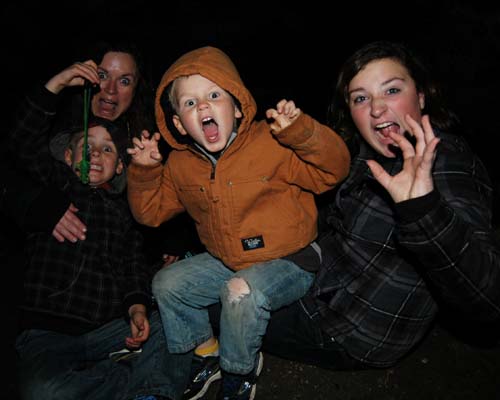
[61,141]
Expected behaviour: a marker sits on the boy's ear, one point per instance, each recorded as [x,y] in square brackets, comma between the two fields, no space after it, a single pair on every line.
[119,167]
[178,124]
[68,157]
[237,112]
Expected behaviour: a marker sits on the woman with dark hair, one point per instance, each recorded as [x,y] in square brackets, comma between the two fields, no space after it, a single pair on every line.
[124,92]
[339,111]
[121,93]
[409,231]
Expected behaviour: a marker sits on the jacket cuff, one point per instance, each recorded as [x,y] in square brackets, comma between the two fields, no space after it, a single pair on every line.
[298,132]
[412,210]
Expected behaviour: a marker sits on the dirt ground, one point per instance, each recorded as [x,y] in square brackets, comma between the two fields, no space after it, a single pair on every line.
[442,368]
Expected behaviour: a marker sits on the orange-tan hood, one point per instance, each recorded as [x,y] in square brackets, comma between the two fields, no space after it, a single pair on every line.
[214,65]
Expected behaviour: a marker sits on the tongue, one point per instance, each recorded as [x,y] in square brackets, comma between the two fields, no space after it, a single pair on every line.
[211,130]
[391,128]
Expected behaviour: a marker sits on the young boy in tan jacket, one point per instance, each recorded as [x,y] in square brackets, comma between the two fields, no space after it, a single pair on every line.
[249,186]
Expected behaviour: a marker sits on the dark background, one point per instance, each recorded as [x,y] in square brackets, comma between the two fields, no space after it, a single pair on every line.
[281,50]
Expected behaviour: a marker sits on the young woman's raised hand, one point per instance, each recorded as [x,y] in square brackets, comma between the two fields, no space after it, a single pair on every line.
[415,179]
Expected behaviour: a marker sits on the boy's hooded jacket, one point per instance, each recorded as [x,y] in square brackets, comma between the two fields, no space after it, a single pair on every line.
[256,203]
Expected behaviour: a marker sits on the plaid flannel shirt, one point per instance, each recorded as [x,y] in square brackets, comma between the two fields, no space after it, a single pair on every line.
[89,282]
[382,261]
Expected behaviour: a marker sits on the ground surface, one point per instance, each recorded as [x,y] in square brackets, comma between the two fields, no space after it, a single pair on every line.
[443,368]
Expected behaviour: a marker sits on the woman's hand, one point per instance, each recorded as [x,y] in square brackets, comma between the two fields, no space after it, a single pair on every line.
[74,75]
[69,226]
[415,179]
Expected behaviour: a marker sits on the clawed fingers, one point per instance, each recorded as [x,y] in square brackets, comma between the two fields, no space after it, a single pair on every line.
[417,132]
[283,116]
[280,107]
[428,131]
[137,142]
[430,152]
[404,144]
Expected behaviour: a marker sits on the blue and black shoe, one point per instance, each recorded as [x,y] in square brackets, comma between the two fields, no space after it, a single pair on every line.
[204,371]
[241,387]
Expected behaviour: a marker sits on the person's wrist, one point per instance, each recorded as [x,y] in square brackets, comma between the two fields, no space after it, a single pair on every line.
[137,310]
[133,313]
[53,86]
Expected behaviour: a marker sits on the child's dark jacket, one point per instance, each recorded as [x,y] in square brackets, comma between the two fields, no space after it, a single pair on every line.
[76,287]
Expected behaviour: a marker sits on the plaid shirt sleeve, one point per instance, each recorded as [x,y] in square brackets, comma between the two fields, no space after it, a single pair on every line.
[449,232]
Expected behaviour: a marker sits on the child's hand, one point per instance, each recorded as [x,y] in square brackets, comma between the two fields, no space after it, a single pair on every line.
[139,327]
[145,151]
[284,115]
[169,259]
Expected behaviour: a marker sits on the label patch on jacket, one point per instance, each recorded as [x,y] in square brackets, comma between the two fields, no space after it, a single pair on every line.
[252,243]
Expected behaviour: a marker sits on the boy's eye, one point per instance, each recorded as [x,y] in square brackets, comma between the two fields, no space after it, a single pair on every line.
[214,95]
[108,149]
[189,103]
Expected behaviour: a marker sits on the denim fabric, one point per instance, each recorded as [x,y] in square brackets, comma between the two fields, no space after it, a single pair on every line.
[186,288]
[54,366]
[294,334]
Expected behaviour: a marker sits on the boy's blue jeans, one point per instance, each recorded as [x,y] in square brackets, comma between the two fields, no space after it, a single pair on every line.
[185,289]
[54,366]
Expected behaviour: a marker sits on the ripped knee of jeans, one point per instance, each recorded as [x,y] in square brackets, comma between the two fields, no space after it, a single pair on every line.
[238,288]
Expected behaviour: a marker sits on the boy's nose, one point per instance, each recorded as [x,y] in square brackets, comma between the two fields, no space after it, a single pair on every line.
[95,153]
[202,105]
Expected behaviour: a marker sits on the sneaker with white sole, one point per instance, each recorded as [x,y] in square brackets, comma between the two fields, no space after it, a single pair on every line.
[204,371]
[241,387]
